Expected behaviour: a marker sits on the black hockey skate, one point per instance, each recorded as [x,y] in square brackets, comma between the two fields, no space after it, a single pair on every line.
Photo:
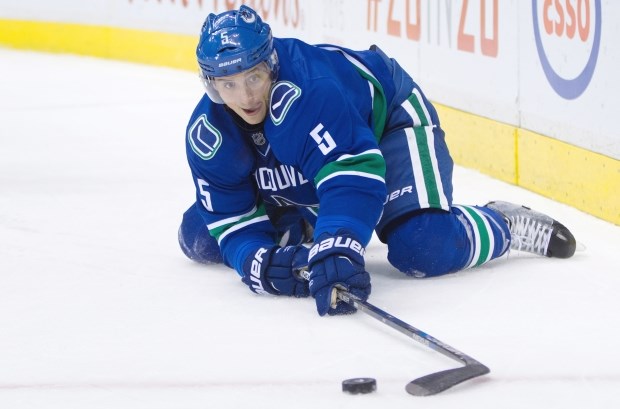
[535,232]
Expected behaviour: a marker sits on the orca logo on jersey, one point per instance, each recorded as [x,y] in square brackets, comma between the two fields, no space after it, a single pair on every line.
[204,138]
[283,94]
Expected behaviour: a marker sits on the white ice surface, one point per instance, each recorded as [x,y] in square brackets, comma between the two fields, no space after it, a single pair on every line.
[100,309]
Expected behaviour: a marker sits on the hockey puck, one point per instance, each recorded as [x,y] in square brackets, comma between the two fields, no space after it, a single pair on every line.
[359,385]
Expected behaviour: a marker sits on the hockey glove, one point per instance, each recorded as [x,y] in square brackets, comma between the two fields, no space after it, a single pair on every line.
[273,271]
[337,261]
[292,229]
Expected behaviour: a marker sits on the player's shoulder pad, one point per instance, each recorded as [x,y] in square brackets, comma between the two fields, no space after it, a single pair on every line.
[283,94]
[204,138]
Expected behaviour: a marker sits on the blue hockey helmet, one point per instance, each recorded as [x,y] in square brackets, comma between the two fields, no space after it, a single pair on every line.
[232,42]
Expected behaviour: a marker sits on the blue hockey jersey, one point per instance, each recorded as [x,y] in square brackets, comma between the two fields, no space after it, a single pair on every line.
[317,150]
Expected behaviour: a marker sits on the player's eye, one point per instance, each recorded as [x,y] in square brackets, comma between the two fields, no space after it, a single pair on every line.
[228,85]
[256,80]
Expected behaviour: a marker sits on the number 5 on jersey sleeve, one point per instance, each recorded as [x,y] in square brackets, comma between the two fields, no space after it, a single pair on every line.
[206,196]
[326,142]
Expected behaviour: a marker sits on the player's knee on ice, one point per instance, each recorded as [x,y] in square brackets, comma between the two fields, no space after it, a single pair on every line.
[195,240]
[429,243]
[435,242]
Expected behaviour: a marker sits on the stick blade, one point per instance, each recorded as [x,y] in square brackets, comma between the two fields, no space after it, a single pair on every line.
[440,381]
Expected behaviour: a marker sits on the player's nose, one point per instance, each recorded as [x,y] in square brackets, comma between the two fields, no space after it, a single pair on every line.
[247,94]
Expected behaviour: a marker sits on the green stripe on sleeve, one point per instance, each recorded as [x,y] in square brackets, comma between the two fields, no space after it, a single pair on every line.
[223,229]
[369,165]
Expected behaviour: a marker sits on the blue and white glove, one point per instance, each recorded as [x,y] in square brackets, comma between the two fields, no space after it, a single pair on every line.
[337,261]
[273,270]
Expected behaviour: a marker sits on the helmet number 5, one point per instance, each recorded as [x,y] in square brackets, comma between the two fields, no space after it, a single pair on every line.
[325,142]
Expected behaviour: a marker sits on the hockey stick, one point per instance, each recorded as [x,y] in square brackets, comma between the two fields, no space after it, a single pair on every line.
[429,384]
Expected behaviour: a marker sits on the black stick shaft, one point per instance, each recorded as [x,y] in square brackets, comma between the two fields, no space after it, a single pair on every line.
[405,328]
[397,324]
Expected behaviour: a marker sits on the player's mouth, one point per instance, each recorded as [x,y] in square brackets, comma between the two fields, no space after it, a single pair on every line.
[252,111]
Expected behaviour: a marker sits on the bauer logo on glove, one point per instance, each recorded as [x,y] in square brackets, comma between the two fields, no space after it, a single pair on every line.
[338,241]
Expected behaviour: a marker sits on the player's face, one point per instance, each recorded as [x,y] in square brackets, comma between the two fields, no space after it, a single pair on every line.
[246,93]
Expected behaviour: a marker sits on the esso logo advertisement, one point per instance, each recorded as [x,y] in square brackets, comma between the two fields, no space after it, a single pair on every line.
[568,38]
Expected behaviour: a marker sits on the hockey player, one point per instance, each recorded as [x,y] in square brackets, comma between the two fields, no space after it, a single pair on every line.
[295,143]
